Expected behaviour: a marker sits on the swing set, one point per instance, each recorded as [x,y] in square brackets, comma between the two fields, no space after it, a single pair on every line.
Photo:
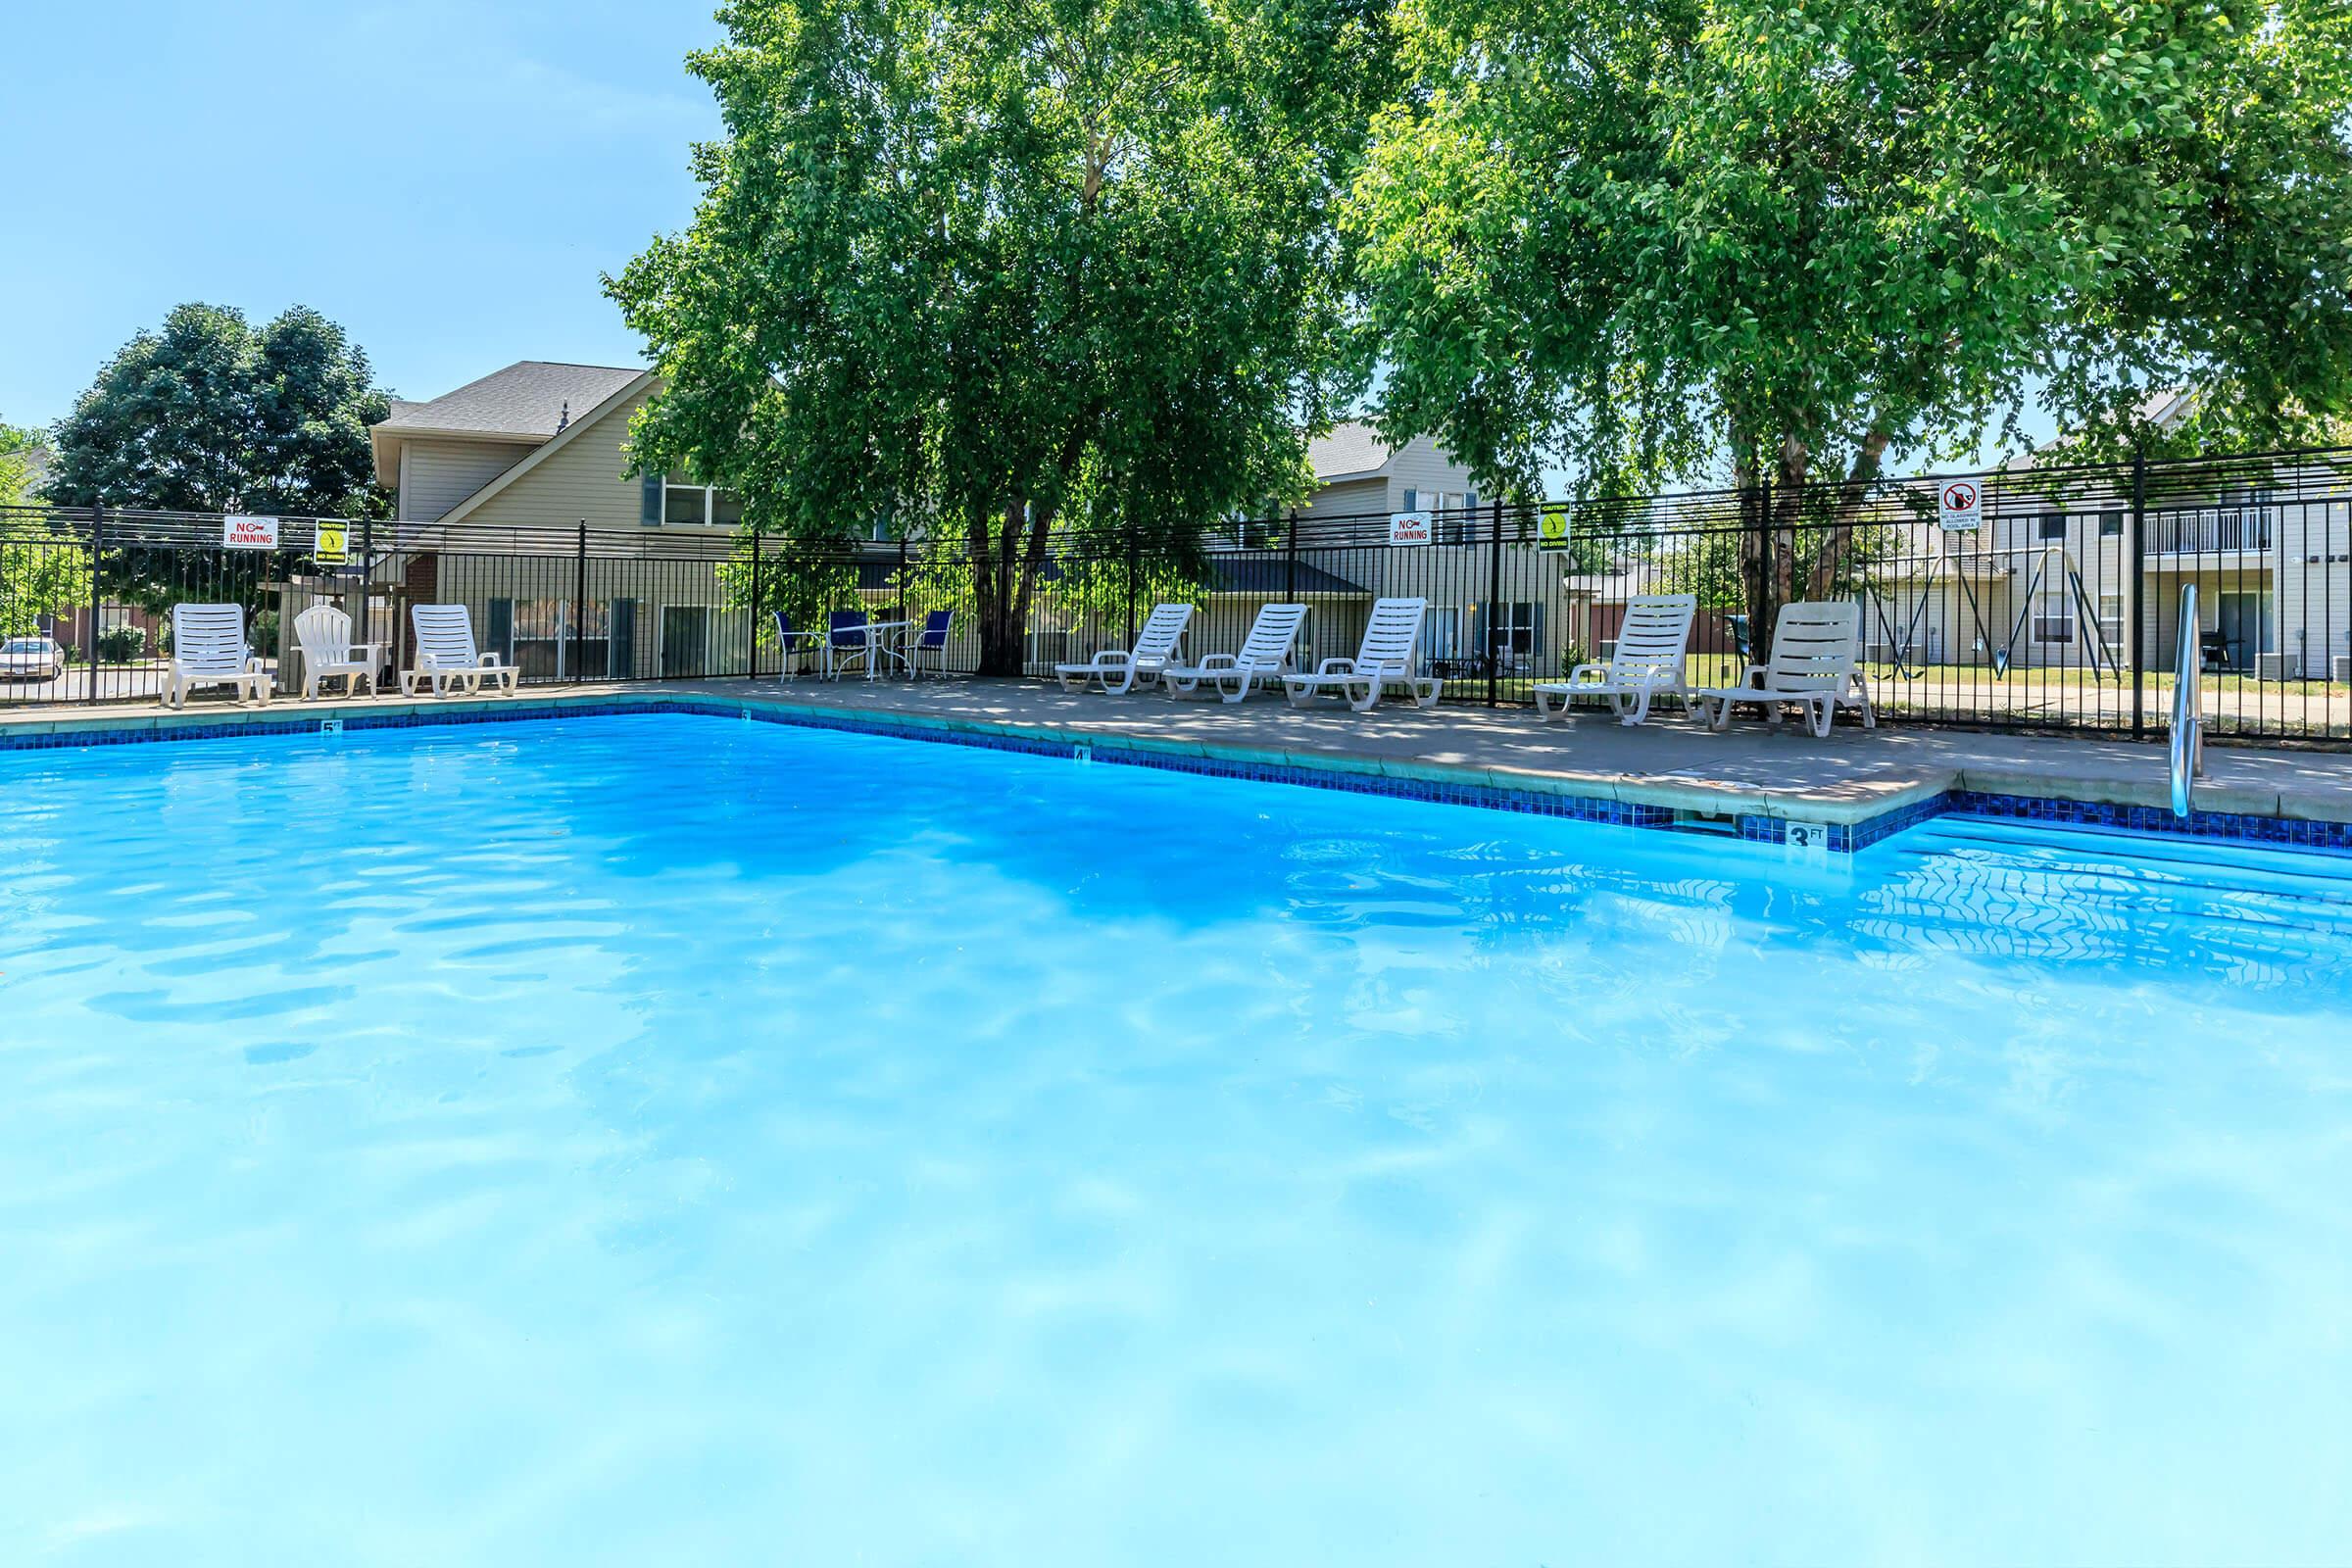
[2103,660]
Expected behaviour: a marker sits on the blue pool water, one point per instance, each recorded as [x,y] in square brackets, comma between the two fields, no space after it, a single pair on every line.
[668,1139]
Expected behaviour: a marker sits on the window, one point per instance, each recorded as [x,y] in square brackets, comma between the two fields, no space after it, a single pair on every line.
[687,505]
[1442,633]
[2053,527]
[1516,635]
[2053,621]
[2111,525]
[2111,619]
[540,638]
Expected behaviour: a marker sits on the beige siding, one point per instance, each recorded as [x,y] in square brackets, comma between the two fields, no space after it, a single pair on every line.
[584,478]
[1420,465]
[1355,496]
[437,474]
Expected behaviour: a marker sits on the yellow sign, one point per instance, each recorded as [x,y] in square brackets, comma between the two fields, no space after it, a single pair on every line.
[333,548]
[1551,529]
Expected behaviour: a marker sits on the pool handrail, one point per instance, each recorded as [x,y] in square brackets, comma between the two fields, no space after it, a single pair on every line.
[2189,704]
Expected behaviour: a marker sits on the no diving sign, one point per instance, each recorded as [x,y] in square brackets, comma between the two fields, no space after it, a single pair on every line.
[1960,505]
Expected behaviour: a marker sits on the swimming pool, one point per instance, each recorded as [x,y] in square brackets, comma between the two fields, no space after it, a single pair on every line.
[667,1139]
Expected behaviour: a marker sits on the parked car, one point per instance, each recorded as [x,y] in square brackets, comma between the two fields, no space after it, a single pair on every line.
[32,658]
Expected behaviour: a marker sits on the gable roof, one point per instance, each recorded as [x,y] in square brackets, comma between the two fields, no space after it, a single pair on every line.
[524,402]
[1350,451]
[619,397]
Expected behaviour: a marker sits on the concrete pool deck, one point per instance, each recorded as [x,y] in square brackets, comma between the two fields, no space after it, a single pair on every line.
[1855,777]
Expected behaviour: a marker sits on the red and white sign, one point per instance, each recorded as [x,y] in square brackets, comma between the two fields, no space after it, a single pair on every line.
[1409,528]
[1960,505]
[249,533]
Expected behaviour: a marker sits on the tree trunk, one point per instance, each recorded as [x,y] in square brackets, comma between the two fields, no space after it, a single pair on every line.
[1004,580]
[1856,493]
[1769,518]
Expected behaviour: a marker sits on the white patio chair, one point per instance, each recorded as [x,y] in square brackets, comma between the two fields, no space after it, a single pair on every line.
[1119,669]
[1264,659]
[1646,663]
[445,655]
[208,648]
[1385,659]
[323,633]
[1814,667]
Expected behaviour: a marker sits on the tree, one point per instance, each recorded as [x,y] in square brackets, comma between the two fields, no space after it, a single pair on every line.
[42,574]
[992,269]
[1645,236]
[211,414]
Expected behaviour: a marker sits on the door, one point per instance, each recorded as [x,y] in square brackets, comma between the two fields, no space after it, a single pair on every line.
[2245,625]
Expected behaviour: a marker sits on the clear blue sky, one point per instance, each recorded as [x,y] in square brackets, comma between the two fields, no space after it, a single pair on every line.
[445,179]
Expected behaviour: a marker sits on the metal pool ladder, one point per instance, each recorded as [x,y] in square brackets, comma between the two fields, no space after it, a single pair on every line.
[2188,705]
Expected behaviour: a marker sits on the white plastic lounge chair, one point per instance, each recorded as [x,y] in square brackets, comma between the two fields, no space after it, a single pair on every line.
[1118,669]
[1392,643]
[1264,659]
[328,651]
[446,656]
[208,648]
[1646,663]
[1812,667]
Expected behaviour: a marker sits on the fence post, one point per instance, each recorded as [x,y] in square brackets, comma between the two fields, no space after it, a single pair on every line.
[1758,636]
[89,654]
[579,599]
[2137,547]
[1290,561]
[1494,598]
[750,659]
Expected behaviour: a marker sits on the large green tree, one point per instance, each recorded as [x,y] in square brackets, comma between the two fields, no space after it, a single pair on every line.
[211,414]
[1652,238]
[42,574]
[987,268]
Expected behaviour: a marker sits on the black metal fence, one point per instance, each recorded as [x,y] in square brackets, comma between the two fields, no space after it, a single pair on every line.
[2059,609]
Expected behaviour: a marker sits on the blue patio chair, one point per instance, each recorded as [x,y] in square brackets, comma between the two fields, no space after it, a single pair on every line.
[845,639]
[796,644]
[932,639]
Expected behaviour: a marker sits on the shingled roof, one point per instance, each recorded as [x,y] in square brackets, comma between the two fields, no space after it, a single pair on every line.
[1351,448]
[524,401]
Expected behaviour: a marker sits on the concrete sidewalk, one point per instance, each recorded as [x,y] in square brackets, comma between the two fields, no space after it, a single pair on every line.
[1850,777]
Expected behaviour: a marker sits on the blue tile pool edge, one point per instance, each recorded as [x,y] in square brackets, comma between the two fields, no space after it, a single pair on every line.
[1845,838]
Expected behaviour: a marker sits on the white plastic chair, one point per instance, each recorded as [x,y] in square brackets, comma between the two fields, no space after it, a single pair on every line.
[445,655]
[1119,669]
[1264,659]
[1392,643]
[208,648]
[323,633]
[1646,663]
[1814,669]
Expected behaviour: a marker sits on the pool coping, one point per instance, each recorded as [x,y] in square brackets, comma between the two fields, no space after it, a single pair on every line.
[1839,824]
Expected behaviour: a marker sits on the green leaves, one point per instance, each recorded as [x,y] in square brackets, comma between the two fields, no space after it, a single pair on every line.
[1669,231]
[212,415]
[979,267]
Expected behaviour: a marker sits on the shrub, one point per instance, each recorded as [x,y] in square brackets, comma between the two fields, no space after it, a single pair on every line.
[121,645]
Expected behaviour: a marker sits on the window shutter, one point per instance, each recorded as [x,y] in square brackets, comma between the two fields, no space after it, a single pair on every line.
[1535,636]
[650,502]
[1477,631]
[621,652]
[502,628]
[1412,499]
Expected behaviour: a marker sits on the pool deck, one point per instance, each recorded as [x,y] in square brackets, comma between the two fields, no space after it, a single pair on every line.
[1854,776]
